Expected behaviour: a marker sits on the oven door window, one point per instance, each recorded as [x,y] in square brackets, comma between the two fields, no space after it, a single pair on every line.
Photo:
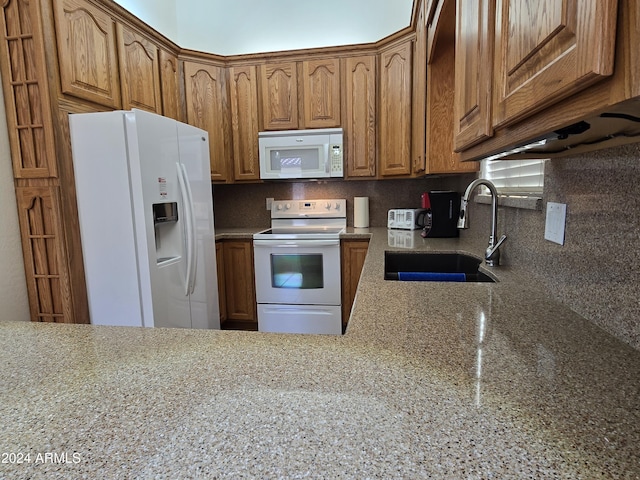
[298,271]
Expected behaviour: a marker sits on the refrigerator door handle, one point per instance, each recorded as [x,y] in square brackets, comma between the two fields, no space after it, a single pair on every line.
[194,238]
[188,210]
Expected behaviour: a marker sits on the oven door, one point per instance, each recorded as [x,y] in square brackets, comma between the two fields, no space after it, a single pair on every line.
[297,272]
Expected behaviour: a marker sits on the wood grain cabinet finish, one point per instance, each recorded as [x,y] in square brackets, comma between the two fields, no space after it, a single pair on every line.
[360,116]
[441,157]
[239,280]
[547,50]
[170,85]
[139,71]
[321,93]
[395,110]
[44,255]
[244,122]
[26,95]
[474,73]
[222,295]
[419,101]
[353,254]
[279,96]
[208,108]
[87,52]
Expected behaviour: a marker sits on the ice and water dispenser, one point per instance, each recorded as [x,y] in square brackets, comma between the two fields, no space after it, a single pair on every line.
[168,236]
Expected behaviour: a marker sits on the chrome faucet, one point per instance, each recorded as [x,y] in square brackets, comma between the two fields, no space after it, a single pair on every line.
[492,253]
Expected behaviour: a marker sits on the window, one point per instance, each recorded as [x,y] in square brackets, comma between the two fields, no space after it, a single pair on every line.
[515,177]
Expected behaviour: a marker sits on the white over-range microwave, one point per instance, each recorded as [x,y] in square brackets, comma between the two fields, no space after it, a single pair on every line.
[301,154]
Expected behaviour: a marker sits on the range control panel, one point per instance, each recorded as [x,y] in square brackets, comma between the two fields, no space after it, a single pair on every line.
[320,208]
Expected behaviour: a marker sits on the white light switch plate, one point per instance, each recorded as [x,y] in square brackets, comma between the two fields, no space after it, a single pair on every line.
[269,203]
[554,225]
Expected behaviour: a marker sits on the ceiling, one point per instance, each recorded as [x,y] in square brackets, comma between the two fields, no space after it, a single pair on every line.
[254,26]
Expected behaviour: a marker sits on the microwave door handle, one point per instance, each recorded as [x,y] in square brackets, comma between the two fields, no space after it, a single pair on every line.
[296,244]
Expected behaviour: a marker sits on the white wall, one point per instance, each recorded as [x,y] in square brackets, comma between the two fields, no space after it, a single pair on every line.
[159,14]
[252,26]
[14,304]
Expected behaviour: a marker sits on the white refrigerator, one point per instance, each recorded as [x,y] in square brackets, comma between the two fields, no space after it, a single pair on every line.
[145,211]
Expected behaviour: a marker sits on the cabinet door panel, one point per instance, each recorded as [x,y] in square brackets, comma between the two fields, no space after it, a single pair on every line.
[474,75]
[279,91]
[45,260]
[360,116]
[321,93]
[240,282]
[547,50]
[26,96]
[87,52]
[395,114]
[244,122]
[208,108]
[354,253]
[169,81]
[139,71]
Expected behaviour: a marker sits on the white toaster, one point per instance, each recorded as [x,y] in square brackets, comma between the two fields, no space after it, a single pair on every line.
[406,218]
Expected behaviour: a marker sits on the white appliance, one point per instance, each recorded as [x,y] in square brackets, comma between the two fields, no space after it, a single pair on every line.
[301,154]
[297,267]
[145,209]
[406,218]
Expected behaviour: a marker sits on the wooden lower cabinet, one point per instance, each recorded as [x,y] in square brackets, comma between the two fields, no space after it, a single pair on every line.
[236,285]
[353,253]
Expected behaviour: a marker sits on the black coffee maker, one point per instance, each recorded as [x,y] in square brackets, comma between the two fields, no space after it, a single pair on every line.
[441,217]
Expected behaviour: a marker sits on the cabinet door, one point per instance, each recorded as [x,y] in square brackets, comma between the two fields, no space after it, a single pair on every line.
[139,71]
[321,93]
[208,108]
[360,116]
[547,50]
[418,123]
[170,85]
[395,110]
[26,93]
[45,260]
[244,122]
[222,293]
[473,78]
[279,92]
[239,280]
[87,52]
[353,255]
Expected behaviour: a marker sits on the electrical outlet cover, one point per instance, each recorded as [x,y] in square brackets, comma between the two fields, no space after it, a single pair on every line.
[554,225]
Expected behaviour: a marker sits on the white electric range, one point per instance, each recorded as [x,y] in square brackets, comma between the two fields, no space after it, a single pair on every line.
[297,267]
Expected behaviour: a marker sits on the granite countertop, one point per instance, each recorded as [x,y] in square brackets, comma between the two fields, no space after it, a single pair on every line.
[442,380]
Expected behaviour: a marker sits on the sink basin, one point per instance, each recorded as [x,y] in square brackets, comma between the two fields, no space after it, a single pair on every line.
[433,267]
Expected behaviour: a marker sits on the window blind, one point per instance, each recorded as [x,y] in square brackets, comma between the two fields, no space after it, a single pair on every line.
[515,177]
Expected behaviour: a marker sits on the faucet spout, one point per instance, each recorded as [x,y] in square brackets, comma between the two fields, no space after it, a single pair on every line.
[492,254]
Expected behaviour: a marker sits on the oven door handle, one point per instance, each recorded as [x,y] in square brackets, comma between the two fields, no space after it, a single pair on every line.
[296,243]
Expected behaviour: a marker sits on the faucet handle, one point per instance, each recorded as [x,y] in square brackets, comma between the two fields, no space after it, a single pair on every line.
[492,254]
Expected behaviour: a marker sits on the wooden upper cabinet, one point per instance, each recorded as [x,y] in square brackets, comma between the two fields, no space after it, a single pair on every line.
[170,85]
[244,122]
[395,110]
[547,50]
[139,71]
[279,92]
[87,52]
[475,26]
[26,92]
[321,93]
[419,112]
[360,116]
[208,108]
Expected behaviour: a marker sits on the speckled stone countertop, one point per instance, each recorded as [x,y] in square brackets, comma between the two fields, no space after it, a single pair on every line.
[431,380]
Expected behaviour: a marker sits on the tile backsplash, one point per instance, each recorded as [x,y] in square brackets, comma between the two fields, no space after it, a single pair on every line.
[597,270]
[245,205]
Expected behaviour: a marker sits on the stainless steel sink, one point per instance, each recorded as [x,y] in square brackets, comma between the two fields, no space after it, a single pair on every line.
[433,267]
